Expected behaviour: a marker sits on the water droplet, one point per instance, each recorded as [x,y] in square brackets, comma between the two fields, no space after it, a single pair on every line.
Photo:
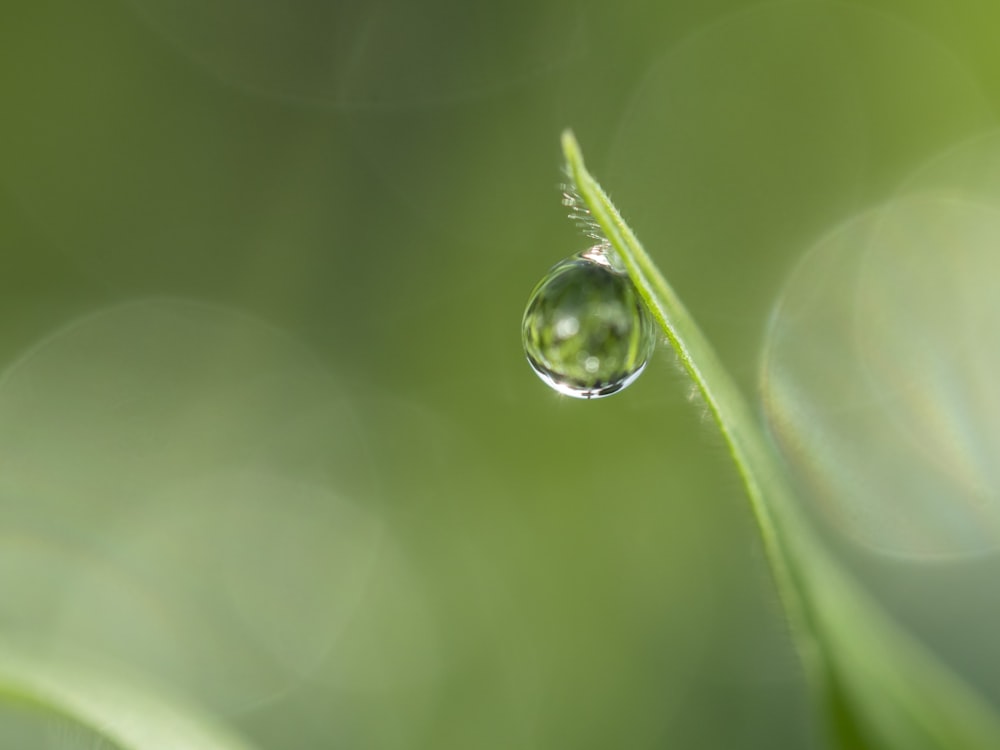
[586,332]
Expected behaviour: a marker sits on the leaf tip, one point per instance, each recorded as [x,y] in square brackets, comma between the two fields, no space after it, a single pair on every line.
[571,149]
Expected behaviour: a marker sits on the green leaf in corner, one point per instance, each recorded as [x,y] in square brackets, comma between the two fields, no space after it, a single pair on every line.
[122,711]
[880,687]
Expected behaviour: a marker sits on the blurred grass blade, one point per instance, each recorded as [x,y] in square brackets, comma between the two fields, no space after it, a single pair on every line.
[881,688]
[128,714]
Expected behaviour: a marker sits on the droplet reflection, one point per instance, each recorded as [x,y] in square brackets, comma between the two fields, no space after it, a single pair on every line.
[586,332]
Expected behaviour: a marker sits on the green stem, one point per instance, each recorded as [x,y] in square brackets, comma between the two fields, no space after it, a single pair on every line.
[727,405]
[875,680]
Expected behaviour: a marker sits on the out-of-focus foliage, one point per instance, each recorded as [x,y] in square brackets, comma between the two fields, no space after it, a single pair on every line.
[267,435]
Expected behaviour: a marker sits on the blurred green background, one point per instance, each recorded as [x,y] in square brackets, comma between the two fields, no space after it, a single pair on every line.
[267,435]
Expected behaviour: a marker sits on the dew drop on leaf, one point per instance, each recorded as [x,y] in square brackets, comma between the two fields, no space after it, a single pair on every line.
[586,332]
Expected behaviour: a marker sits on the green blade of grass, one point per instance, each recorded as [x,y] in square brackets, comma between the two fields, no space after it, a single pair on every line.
[130,715]
[880,686]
